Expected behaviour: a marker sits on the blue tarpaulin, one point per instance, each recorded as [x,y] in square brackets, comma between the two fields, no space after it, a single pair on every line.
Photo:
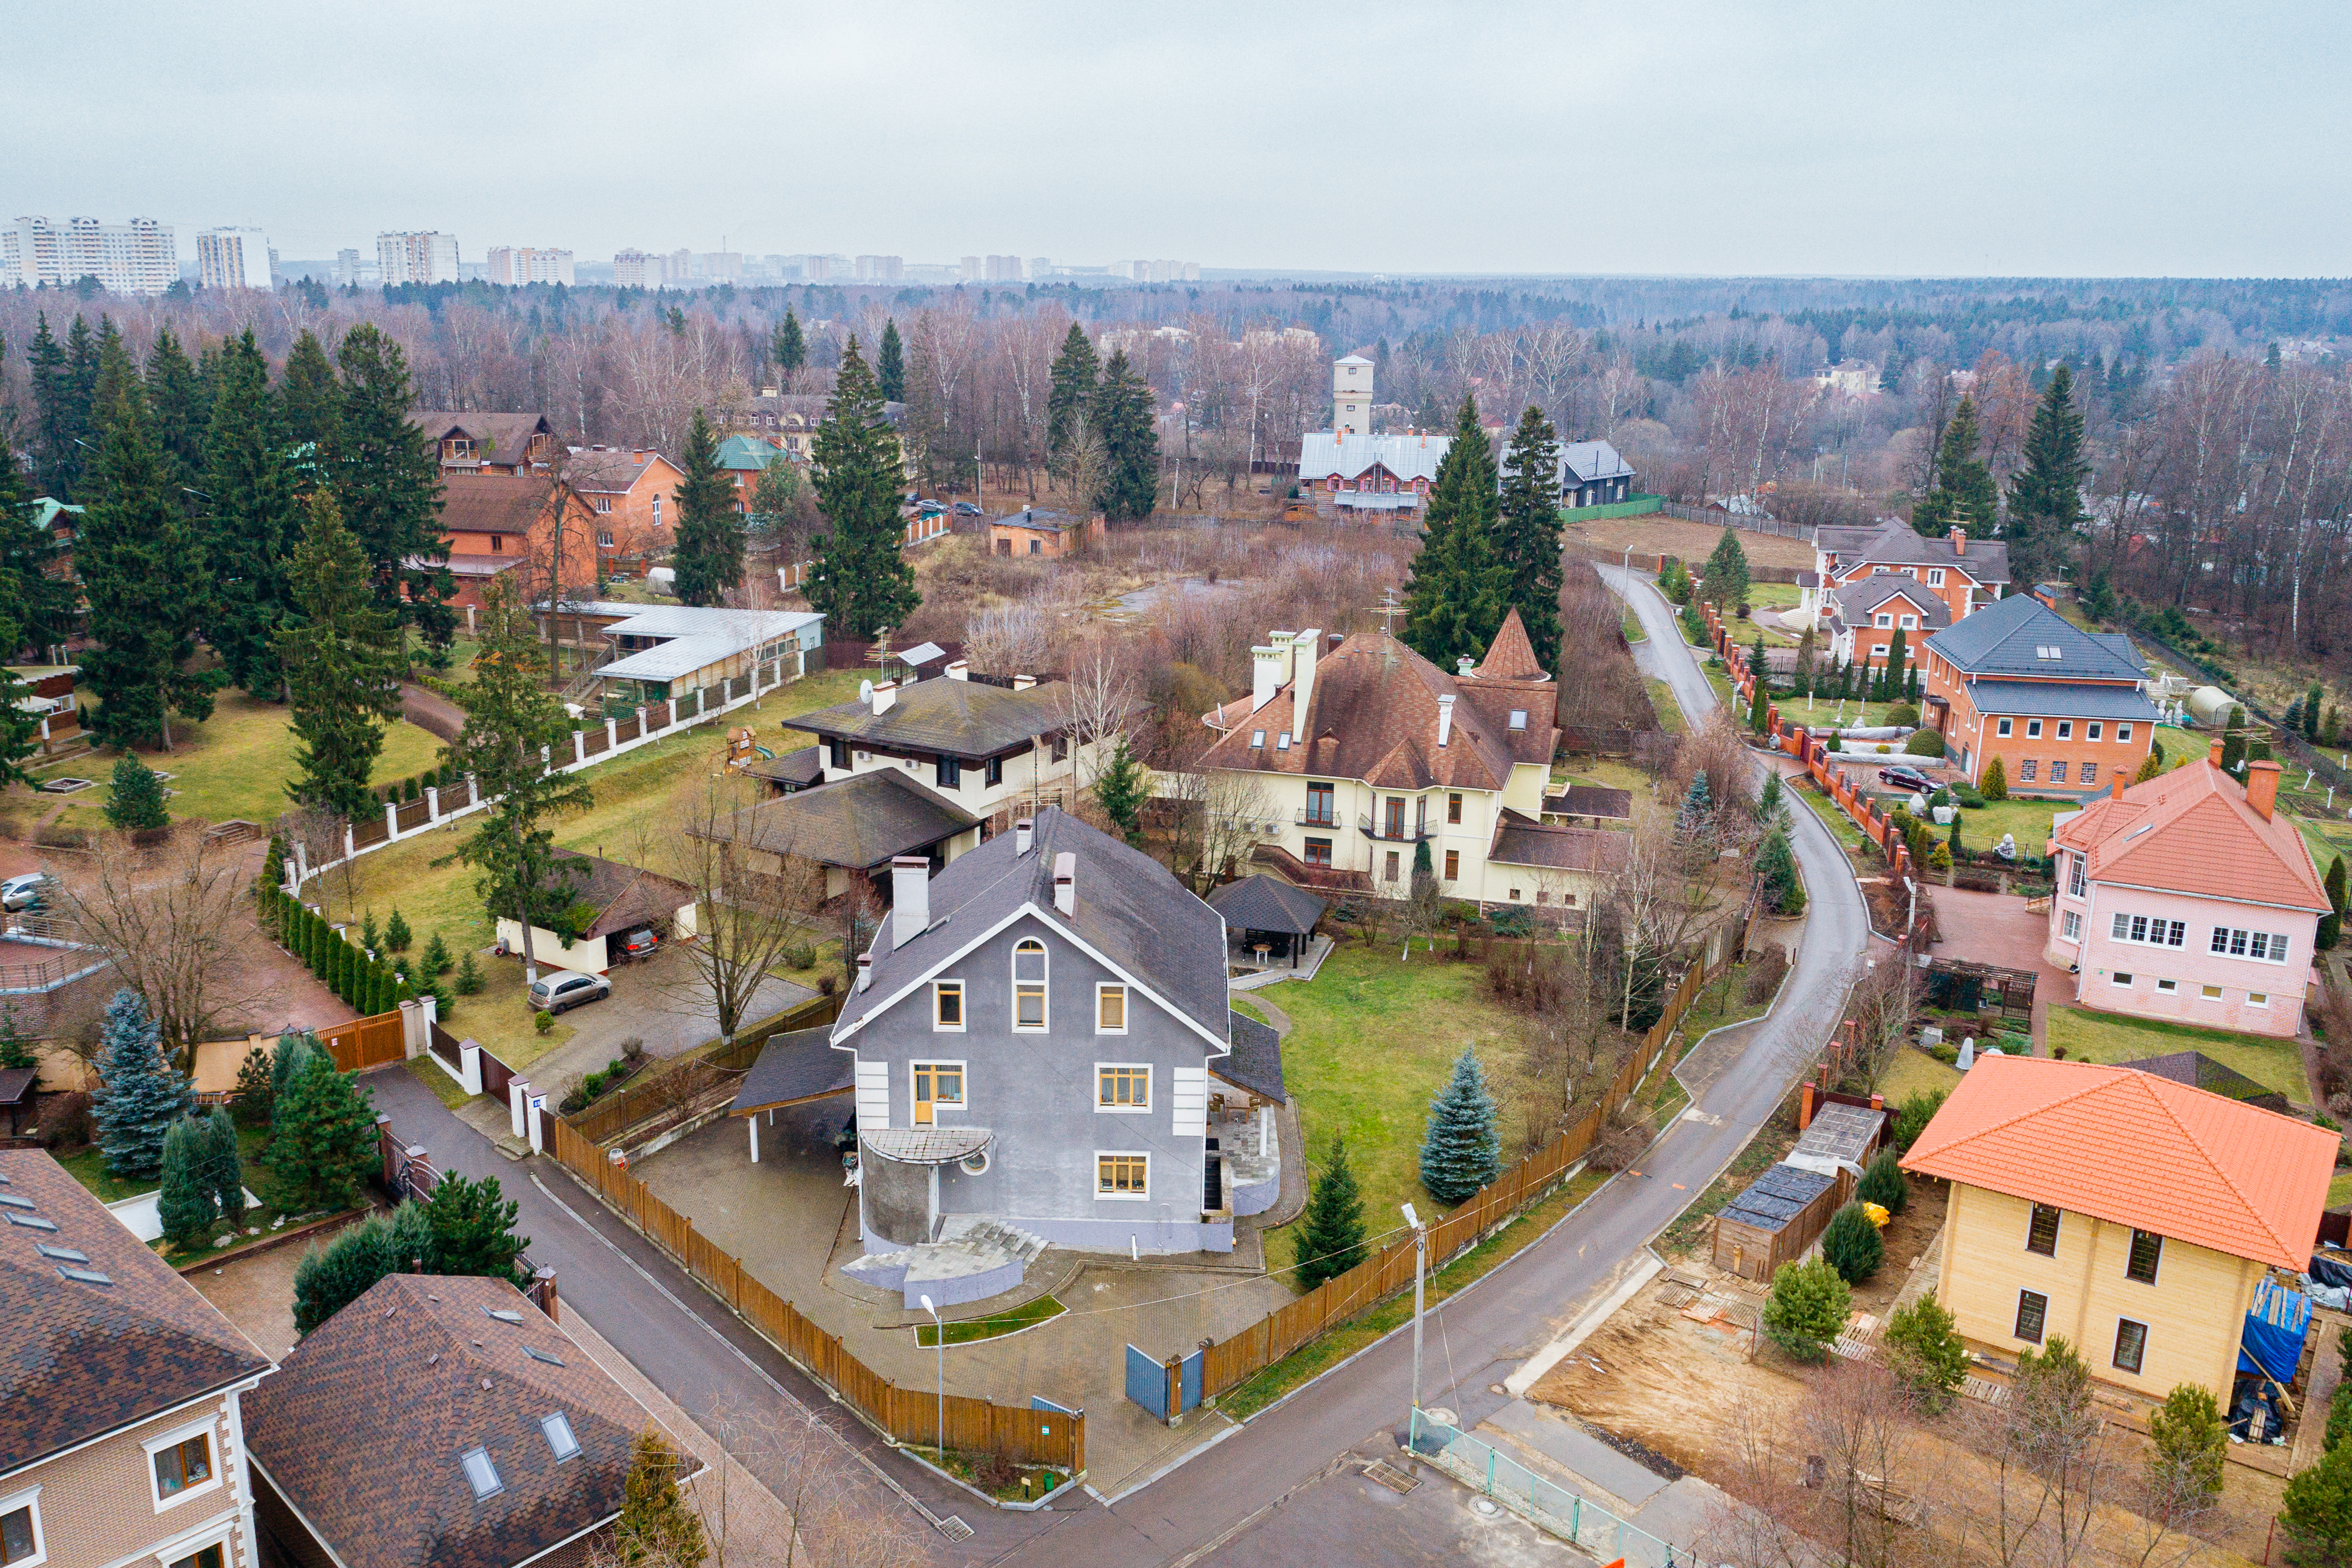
[2272,1341]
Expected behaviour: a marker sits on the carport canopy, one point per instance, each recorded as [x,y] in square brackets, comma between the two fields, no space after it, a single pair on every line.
[793,1069]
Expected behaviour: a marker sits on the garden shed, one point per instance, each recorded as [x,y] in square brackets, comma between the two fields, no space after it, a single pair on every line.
[1839,1142]
[1774,1221]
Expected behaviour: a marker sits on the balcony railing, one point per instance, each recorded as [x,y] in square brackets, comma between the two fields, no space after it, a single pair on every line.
[1316,816]
[1393,832]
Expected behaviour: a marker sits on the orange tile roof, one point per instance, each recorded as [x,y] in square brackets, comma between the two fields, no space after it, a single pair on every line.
[2191,831]
[2134,1149]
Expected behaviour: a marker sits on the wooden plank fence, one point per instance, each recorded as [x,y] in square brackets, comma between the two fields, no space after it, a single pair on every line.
[1230,1361]
[626,1107]
[1019,1435]
[366,1043]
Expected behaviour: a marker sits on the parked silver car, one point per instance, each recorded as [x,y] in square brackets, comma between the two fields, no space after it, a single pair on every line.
[559,990]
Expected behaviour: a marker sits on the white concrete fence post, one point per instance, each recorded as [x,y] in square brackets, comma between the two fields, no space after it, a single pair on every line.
[469,1066]
[518,1096]
[612,733]
[391,819]
[538,1117]
[432,802]
[579,747]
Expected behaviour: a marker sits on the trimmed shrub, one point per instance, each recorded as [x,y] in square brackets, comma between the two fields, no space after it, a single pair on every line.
[1852,1244]
[1902,713]
[1924,743]
[1993,782]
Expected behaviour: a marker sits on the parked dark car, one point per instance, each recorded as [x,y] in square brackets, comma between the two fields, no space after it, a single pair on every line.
[965,509]
[640,943]
[1902,777]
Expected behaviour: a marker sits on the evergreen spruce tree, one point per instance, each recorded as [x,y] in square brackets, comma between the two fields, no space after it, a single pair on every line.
[1807,1308]
[1925,1352]
[2045,499]
[2191,1443]
[386,475]
[470,980]
[1460,1152]
[789,350]
[2317,1518]
[396,934]
[2331,924]
[185,1208]
[1727,578]
[1993,782]
[472,1223]
[1775,874]
[861,582]
[343,663]
[253,1090]
[510,716]
[1071,398]
[1898,658]
[1527,533]
[37,609]
[58,421]
[331,1278]
[141,1094]
[1883,1184]
[1123,409]
[251,519]
[325,1143]
[224,1171]
[436,960]
[890,364]
[656,1530]
[1454,600]
[16,1045]
[1331,1241]
[143,574]
[709,551]
[311,403]
[1964,496]
[289,1062]
[135,801]
[1121,790]
[2311,702]
[1697,816]
[176,398]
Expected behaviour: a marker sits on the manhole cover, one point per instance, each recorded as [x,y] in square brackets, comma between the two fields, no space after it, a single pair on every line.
[1442,1416]
[64,786]
[1484,1506]
[955,1529]
[1389,1476]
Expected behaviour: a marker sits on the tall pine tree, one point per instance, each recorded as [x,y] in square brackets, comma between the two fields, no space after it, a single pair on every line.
[1527,533]
[311,401]
[177,399]
[64,424]
[31,611]
[143,576]
[1071,399]
[2045,495]
[251,519]
[860,581]
[140,1094]
[890,364]
[1461,1153]
[709,556]
[1123,409]
[387,477]
[343,663]
[1331,1238]
[1964,496]
[789,350]
[1453,602]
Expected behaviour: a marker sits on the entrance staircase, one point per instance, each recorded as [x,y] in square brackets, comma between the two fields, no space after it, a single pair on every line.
[970,1258]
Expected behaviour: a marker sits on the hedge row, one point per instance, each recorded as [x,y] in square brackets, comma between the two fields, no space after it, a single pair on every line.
[367,984]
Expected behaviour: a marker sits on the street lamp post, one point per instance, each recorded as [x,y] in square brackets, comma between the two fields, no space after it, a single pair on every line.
[939,1338]
[1419,1268]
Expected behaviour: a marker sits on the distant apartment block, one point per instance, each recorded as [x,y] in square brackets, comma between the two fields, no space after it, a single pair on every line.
[420,257]
[677,268]
[1037,267]
[881,269]
[140,257]
[233,259]
[718,267]
[1158,271]
[1005,269]
[347,267]
[635,269]
[512,265]
[972,269]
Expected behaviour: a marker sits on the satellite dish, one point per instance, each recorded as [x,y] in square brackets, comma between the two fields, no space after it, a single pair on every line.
[865,691]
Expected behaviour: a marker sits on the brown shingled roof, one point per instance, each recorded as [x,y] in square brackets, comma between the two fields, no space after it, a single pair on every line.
[78,1358]
[498,438]
[494,503]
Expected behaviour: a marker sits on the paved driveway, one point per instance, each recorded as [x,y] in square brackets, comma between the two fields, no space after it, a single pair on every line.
[660,1001]
[1996,927]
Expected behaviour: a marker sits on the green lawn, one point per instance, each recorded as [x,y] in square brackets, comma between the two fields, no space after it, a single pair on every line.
[89,1168]
[235,764]
[1632,624]
[1374,1042]
[1029,1315]
[1764,601]
[2028,820]
[1912,1072]
[2110,1038]
[1669,711]
[2339,1191]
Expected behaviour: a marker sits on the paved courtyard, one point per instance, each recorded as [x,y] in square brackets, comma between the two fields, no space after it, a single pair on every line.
[1996,927]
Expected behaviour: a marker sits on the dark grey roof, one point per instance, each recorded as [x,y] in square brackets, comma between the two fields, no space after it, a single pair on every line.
[2061,700]
[960,717]
[1518,842]
[1128,908]
[1898,544]
[1585,461]
[859,821]
[1590,800]
[804,765]
[1776,1196]
[16,1084]
[1256,1061]
[2009,636]
[1266,904]
[1839,1132]
[800,1065]
[2199,1070]
[1865,597]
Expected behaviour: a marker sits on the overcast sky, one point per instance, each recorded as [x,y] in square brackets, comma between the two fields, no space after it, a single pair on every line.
[1678,136]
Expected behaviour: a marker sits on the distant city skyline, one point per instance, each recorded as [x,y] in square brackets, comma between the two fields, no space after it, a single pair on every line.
[1693,137]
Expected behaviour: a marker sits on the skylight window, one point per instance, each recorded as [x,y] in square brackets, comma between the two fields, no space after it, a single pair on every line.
[1519,717]
[480,1474]
[557,1428]
[503,1314]
[29,1221]
[1282,742]
[537,1355]
[1257,738]
[62,1254]
[15,1200]
[85,1276]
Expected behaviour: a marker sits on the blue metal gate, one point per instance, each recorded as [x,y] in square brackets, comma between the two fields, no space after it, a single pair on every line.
[1146,1383]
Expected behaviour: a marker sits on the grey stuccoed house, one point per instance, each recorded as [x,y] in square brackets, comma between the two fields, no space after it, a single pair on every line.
[1042,1055]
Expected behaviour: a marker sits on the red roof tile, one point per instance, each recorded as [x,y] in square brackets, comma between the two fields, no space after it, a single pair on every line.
[2134,1149]
[2191,831]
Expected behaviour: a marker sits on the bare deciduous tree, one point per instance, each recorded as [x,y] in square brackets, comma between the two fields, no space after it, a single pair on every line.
[753,895]
[175,925]
[1006,639]
[1096,701]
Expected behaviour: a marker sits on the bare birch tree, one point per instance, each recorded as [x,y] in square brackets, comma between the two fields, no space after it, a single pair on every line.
[174,923]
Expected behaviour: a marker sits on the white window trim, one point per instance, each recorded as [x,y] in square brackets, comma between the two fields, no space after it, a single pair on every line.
[2258,999]
[2118,978]
[963,1009]
[2066,729]
[2095,730]
[2070,926]
[2001,727]
[2122,732]
[1045,979]
[1143,1110]
[30,1498]
[1141,1198]
[216,1532]
[208,1428]
[963,1078]
[2034,729]
[1935,577]
[2167,987]
[1126,1005]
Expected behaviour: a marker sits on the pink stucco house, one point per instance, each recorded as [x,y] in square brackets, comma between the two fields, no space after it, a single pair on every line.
[2188,899]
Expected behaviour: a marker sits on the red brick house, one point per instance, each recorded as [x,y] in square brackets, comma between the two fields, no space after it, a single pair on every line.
[496,524]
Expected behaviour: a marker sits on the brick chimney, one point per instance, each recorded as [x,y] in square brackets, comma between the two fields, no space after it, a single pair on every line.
[2262,787]
[2213,751]
[1021,831]
[2118,784]
[1959,542]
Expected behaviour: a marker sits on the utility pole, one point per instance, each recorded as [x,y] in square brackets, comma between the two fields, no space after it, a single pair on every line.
[1420,1271]
[940,1337]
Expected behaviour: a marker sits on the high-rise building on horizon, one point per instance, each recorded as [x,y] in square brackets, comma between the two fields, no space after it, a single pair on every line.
[233,257]
[1005,269]
[635,269]
[425,256]
[512,265]
[140,257]
[881,269]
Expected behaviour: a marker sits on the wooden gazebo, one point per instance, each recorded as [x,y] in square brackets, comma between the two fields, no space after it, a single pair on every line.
[1265,911]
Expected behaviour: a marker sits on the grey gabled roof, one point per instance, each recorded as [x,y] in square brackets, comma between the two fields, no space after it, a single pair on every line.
[859,821]
[798,1066]
[1893,544]
[1266,904]
[966,719]
[2062,700]
[1128,908]
[2009,636]
[1585,461]
[1256,1061]
[1865,597]
[1776,1196]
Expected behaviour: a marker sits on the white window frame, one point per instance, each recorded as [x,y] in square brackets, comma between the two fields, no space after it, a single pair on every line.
[1126,1005]
[209,1429]
[2066,729]
[2122,732]
[2167,987]
[1142,1198]
[2209,993]
[2070,926]
[2001,727]
[220,1532]
[2094,730]
[963,1008]
[2118,978]
[963,1085]
[1102,1109]
[2258,999]
[30,1500]
[1910,623]
[1935,577]
[2077,884]
[2034,729]
[1045,981]
[1882,621]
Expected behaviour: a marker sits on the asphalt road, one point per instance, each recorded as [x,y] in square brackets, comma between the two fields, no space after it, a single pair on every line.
[1285,1479]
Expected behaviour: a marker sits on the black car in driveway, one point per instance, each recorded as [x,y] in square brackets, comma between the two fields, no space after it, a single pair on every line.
[1902,777]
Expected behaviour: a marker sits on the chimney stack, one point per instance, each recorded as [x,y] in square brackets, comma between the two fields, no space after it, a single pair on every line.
[959,669]
[2262,787]
[1959,542]
[1066,882]
[1463,666]
[2119,784]
[1303,650]
[886,696]
[2213,751]
[1268,671]
[1021,831]
[911,898]
[864,970]
[1024,682]
[1444,718]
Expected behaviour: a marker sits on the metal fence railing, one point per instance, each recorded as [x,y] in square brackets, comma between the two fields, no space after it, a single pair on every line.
[1545,1503]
